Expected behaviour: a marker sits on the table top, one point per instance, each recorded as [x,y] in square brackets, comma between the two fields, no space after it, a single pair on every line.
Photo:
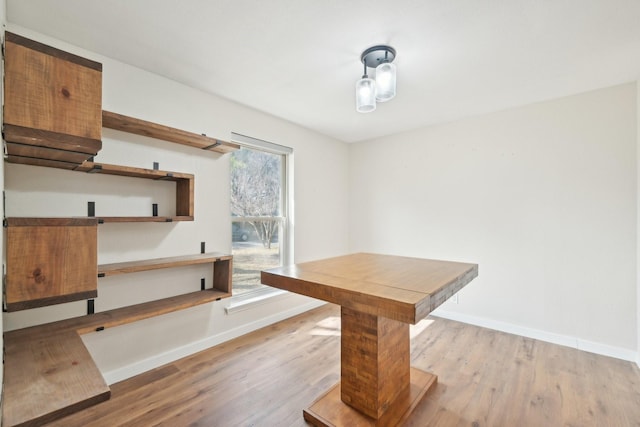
[399,288]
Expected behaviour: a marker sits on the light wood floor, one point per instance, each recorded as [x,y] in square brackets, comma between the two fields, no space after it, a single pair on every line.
[485,378]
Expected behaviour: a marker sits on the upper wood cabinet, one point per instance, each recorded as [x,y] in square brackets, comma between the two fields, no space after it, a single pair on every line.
[52,102]
[50,261]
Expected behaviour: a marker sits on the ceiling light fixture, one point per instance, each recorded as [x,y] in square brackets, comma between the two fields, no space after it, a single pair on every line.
[383,88]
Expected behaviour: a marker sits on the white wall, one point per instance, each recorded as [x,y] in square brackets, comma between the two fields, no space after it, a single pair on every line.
[320,185]
[542,197]
[638,211]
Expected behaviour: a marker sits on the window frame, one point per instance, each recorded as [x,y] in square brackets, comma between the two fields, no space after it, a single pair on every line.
[285,218]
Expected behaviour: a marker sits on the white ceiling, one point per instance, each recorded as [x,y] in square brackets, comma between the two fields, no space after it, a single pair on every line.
[300,59]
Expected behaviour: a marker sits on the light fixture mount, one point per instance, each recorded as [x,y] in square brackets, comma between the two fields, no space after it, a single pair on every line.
[377,55]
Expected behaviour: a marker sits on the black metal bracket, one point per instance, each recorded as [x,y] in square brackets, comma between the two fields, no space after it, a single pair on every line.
[202,247]
[154,209]
[101,274]
[100,221]
[168,220]
[156,166]
[95,169]
[91,209]
[168,176]
[100,328]
[202,284]
[91,309]
[212,145]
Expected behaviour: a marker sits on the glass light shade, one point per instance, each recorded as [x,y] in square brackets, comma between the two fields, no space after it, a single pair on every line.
[365,95]
[385,81]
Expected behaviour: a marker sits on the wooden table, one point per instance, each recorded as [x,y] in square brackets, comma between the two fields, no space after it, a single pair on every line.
[380,296]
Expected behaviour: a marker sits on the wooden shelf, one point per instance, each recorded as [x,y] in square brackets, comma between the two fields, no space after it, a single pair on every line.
[112,219]
[146,310]
[185,185]
[222,267]
[48,163]
[130,171]
[158,263]
[50,374]
[48,377]
[153,130]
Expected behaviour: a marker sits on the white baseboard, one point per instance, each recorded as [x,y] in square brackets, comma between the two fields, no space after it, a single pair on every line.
[565,340]
[141,366]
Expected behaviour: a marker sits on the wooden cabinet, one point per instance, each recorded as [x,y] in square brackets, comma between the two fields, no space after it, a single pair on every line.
[52,104]
[50,261]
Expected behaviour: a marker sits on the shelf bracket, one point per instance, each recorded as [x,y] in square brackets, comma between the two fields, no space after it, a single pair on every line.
[95,168]
[169,175]
[217,143]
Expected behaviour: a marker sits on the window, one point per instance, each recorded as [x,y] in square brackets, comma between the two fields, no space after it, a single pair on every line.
[260,216]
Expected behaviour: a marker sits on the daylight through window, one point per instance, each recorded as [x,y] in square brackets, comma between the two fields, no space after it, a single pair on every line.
[260,231]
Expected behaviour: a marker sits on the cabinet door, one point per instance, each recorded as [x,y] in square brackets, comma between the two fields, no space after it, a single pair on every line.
[50,261]
[52,103]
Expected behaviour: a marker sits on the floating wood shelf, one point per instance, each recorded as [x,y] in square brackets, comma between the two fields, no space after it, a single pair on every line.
[222,267]
[145,310]
[48,163]
[184,189]
[153,130]
[111,219]
[158,263]
[48,378]
[50,374]
[185,185]
[107,169]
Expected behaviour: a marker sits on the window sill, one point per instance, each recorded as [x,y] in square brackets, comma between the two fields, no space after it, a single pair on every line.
[252,299]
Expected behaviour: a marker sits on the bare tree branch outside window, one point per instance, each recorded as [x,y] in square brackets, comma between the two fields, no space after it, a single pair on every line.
[255,191]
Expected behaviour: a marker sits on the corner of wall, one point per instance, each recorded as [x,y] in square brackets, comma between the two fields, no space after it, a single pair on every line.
[638,222]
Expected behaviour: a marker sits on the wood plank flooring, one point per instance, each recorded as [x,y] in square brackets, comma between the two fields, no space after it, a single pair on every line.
[485,378]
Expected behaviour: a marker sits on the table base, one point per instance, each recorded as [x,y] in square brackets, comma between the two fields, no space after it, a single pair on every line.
[330,411]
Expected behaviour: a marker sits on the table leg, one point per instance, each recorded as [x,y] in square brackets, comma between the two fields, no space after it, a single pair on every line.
[378,387]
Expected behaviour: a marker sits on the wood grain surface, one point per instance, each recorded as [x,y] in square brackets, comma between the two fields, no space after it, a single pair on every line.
[399,288]
[50,260]
[154,130]
[485,379]
[52,98]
